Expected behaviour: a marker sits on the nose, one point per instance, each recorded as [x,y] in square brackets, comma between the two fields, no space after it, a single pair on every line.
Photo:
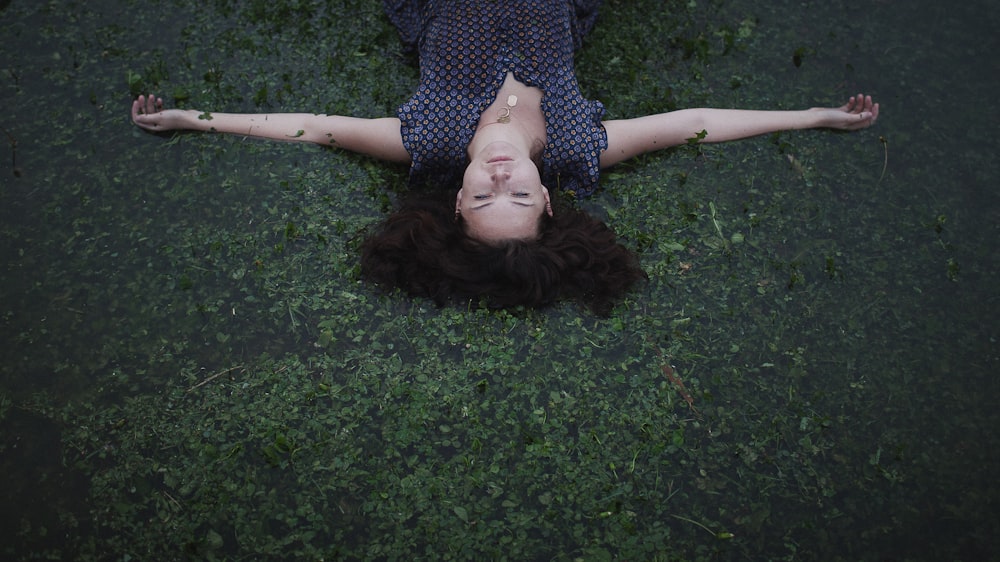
[500,175]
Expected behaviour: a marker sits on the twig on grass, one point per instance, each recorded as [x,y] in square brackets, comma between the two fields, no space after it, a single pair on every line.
[668,371]
[215,376]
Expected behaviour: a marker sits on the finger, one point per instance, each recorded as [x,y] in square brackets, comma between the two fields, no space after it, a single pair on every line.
[139,109]
[143,110]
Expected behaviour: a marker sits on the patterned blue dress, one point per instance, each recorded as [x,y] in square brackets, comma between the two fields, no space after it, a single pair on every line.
[466,48]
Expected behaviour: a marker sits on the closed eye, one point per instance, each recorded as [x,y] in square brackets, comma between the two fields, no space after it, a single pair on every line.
[518,194]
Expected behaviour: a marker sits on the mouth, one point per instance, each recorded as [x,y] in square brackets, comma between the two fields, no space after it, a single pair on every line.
[499,159]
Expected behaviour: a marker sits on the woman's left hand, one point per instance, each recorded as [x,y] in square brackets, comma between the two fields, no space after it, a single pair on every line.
[148,113]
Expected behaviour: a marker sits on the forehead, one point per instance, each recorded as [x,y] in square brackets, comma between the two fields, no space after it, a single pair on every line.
[503,221]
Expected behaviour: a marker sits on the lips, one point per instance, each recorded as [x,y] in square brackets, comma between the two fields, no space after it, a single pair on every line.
[499,159]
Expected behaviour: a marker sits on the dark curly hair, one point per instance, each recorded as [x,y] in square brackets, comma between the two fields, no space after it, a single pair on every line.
[423,250]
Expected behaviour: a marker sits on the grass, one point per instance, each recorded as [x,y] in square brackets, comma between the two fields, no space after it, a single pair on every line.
[192,369]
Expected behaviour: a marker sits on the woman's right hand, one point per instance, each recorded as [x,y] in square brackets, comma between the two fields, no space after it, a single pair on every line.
[858,113]
[148,113]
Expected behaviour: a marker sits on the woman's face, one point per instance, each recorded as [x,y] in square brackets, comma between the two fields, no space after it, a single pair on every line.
[502,195]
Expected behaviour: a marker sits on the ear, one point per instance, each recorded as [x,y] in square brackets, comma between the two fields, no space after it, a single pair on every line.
[458,204]
[548,201]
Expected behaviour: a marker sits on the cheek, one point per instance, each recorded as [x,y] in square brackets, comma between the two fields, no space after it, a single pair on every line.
[476,181]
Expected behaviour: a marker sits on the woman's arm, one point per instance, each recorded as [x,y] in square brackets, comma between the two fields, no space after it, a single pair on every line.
[379,138]
[631,137]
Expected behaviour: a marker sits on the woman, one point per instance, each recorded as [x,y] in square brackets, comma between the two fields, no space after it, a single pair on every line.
[496,122]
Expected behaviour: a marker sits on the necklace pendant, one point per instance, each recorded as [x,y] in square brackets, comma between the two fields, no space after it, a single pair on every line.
[503,116]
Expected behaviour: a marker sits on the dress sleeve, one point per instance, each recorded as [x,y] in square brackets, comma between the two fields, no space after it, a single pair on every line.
[572,159]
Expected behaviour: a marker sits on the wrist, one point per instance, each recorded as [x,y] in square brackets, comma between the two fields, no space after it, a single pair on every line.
[819,117]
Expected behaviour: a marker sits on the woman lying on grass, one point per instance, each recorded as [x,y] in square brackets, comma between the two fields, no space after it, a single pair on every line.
[498,120]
